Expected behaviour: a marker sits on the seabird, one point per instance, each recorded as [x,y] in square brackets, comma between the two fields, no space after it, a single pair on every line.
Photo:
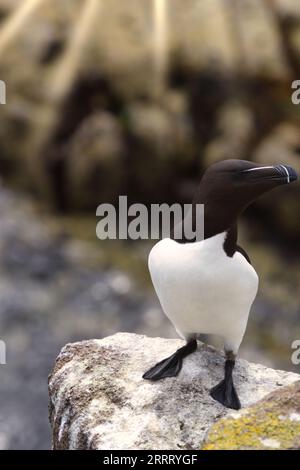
[208,286]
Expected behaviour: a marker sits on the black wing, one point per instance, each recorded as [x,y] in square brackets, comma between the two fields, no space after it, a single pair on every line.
[243,252]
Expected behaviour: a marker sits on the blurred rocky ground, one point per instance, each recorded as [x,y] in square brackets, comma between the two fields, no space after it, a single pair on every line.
[110,98]
[51,293]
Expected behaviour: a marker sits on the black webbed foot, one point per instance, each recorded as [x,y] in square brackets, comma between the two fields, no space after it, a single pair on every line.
[171,366]
[225,392]
[226,395]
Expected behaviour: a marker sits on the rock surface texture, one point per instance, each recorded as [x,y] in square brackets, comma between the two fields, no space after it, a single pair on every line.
[98,399]
[272,423]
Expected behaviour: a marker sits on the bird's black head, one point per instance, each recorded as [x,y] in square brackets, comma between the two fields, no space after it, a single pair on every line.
[229,186]
[233,180]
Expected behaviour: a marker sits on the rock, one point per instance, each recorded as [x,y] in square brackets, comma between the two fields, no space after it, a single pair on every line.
[235,130]
[287,9]
[7,6]
[258,35]
[161,142]
[282,145]
[239,37]
[164,129]
[272,423]
[98,399]
[202,44]
[288,13]
[95,161]
[151,125]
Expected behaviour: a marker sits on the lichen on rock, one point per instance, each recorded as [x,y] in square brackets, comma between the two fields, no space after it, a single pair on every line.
[98,399]
[272,423]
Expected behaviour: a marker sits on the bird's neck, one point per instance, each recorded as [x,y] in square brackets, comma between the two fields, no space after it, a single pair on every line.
[220,214]
[215,223]
[217,220]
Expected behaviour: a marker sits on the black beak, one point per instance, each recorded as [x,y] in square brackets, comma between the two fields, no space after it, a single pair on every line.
[282,173]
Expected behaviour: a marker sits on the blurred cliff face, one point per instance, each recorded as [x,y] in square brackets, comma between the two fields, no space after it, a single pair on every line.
[139,97]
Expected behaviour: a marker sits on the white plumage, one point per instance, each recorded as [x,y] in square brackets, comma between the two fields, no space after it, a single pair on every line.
[202,290]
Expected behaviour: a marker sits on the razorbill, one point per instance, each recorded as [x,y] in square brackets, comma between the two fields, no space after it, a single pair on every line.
[208,286]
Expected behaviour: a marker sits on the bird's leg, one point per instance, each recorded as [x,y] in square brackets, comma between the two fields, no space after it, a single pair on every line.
[225,392]
[171,366]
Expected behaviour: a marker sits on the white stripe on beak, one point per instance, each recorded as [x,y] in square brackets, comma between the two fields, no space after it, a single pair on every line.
[269,167]
[287,173]
[259,168]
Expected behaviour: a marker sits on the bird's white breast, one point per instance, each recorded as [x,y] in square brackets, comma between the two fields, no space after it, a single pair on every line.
[201,289]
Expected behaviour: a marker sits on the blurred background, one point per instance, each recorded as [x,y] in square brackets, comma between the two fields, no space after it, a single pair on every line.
[111,97]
